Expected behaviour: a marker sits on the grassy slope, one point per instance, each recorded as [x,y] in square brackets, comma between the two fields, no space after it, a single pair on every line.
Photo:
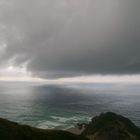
[110,126]
[13,131]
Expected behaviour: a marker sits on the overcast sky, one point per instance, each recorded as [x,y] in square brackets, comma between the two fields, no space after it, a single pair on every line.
[68,38]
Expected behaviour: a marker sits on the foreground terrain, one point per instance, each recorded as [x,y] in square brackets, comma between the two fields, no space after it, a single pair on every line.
[106,126]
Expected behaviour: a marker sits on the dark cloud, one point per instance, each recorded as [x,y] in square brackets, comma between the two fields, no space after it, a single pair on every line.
[70,38]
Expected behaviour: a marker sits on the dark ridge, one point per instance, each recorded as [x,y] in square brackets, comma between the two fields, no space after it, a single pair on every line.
[14,131]
[106,126]
[110,126]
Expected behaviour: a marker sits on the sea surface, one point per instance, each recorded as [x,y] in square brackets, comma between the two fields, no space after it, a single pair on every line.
[63,106]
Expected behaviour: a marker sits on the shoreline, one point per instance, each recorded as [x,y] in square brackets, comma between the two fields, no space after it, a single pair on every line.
[103,127]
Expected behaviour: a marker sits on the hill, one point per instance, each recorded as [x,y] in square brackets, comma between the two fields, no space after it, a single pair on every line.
[110,126]
[14,131]
[106,126]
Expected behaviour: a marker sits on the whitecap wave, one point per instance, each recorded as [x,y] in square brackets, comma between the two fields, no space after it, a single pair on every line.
[48,124]
[58,122]
[70,119]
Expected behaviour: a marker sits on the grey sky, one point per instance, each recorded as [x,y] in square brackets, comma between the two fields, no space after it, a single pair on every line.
[62,38]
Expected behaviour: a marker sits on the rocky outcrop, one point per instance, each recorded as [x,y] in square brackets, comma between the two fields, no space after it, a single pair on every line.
[110,126]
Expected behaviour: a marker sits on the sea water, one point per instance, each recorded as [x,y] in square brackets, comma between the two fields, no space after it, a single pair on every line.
[63,106]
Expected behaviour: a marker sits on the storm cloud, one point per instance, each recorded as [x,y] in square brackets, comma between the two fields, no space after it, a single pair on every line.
[65,38]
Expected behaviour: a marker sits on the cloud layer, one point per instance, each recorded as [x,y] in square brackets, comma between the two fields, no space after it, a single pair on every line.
[71,37]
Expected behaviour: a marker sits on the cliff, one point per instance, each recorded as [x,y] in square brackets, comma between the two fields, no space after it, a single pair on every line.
[14,131]
[107,126]
[110,126]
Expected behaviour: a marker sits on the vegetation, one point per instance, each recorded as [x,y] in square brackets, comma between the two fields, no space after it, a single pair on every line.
[110,126]
[107,126]
[13,131]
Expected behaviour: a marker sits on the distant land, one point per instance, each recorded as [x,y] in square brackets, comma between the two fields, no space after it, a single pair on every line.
[106,126]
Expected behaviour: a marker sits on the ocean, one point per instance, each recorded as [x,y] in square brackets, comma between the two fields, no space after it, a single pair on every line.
[63,106]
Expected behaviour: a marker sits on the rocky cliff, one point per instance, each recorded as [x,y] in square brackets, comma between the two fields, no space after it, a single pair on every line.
[110,126]
[107,126]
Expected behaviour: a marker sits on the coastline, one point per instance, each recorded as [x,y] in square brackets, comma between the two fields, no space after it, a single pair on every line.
[103,127]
